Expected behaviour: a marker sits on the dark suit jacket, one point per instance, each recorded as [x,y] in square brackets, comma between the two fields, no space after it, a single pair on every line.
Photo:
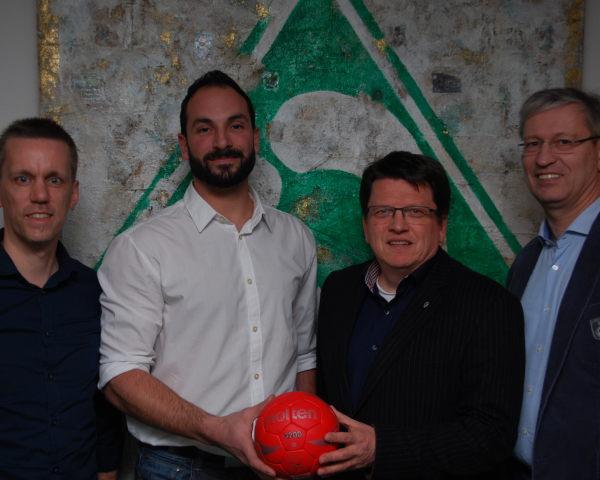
[444,393]
[567,443]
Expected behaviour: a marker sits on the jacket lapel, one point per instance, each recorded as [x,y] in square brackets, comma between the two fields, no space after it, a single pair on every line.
[416,316]
[348,314]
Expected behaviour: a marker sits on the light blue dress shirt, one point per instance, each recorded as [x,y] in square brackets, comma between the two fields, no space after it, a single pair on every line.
[541,302]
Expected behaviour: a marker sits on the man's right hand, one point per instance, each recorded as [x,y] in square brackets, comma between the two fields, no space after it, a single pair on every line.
[233,433]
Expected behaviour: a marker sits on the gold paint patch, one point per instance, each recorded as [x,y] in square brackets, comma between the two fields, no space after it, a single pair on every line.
[262,11]
[230,39]
[381,45]
[48,51]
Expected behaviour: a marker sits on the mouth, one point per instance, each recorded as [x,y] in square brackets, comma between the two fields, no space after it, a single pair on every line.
[39,215]
[547,176]
[399,243]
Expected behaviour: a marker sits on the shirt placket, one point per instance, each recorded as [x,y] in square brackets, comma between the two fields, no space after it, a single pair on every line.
[253,326]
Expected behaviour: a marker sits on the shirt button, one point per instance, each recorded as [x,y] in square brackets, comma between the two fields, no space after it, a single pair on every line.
[51,377]
[255,328]
[55,469]
[256,376]
[529,389]
[374,348]
[387,312]
[249,281]
[48,333]
[555,267]
[539,348]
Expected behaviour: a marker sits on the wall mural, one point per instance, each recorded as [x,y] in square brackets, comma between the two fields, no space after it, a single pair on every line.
[335,83]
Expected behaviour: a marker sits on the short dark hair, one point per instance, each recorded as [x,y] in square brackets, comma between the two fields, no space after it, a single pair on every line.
[37,127]
[214,78]
[418,170]
[557,97]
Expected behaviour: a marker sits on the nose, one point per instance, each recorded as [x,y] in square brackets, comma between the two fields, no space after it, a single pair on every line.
[398,222]
[39,191]
[545,156]
[221,138]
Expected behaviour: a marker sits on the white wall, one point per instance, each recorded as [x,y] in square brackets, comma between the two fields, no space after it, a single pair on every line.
[18,56]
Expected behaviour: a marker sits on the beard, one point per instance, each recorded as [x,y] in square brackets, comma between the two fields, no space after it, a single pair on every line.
[223,176]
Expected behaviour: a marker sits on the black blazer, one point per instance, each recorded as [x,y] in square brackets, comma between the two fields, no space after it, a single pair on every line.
[567,442]
[444,392]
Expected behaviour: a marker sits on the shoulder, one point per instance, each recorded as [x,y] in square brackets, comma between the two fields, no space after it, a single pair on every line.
[286,223]
[165,225]
[346,276]
[463,282]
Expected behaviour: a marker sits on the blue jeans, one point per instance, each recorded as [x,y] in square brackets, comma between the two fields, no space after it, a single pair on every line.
[156,464]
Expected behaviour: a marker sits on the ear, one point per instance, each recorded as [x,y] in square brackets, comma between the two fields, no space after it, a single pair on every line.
[74,195]
[365,230]
[183,146]
[443,230]
[256,141]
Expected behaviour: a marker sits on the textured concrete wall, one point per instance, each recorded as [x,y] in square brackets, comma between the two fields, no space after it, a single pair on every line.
[336,85]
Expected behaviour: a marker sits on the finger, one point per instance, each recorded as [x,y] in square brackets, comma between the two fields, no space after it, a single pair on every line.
[340,455]
[338,437]
[343,419]
[333,469]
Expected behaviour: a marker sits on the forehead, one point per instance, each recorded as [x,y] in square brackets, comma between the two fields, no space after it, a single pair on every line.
[569,118]
[36,153]
[216,102]
[398,192]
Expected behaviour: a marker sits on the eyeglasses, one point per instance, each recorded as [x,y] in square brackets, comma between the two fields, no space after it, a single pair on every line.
[558,145]
[414,214]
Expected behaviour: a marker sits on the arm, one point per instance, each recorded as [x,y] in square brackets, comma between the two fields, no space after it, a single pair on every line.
[139,394]
[307,381]
[132,306]
[482,431]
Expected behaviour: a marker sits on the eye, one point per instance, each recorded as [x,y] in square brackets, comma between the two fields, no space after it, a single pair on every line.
[532,144]
[22,179]
[55,181]
[203,129]
[382,212]
[237,126]
[415,212]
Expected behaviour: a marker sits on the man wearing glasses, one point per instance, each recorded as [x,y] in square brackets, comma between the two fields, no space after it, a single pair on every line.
[557,277]
[422,357]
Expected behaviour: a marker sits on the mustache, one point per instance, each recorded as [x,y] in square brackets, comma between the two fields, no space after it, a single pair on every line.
[223,153]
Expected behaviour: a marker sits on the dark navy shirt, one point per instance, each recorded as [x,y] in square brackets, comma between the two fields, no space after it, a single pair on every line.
[375,320]
[49,342]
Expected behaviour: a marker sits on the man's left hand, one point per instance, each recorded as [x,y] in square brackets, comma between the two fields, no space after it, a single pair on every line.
[358,449]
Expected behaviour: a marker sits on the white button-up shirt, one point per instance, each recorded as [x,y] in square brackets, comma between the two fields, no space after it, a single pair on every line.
[223,317]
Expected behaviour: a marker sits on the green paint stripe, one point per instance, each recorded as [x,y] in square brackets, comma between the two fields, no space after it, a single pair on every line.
[165,171]
[178,193]
[254,37]
[438,128]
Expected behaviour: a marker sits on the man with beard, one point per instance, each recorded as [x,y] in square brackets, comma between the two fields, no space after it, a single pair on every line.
[208,307]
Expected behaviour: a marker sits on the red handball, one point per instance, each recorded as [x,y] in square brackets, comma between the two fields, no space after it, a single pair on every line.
[288,434]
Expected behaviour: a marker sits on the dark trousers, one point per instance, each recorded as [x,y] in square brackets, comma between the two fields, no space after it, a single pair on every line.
[186,463]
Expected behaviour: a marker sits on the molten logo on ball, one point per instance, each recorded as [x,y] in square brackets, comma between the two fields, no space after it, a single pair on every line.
[289,432]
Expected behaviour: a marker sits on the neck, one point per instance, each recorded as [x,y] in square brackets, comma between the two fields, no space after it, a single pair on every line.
[389,281]
[36,265]
[559,219]
[234,203]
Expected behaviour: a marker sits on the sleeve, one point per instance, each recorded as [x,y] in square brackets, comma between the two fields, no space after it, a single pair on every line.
[110,426]
[305,307]
[483,431]
[132,305]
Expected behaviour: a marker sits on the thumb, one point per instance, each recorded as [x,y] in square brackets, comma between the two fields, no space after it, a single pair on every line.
[343,419]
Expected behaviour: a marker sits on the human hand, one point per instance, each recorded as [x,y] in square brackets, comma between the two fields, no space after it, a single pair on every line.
[233,433]
[358,450]
[112,475]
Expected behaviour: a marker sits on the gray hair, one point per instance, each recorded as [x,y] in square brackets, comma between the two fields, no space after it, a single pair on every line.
[557,97]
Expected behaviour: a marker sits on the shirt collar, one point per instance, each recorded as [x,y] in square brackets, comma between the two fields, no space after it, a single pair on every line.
[581,225]
[66,265]
[202,213]
[417,276]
